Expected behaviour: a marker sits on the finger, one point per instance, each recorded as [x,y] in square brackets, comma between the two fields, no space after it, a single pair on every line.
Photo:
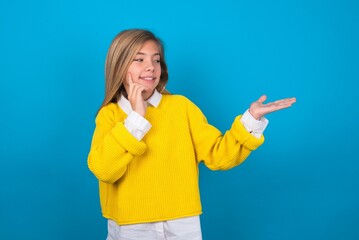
[289,100]
[262,99]
[280,107]
[130,81]
[293,99]
[284,104]
[132,91]
[135,89]
[285,100]
[274,108]
[280,103]
[138,90]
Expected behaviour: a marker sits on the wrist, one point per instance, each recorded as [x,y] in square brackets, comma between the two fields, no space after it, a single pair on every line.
[254,115]
[141,110]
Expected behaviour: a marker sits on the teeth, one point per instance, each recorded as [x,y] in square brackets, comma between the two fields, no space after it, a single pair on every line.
[148,78]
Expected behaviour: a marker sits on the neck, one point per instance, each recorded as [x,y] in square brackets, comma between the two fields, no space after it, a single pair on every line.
[147,96]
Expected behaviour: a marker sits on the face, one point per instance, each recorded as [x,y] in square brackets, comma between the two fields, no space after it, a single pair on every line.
[146,68]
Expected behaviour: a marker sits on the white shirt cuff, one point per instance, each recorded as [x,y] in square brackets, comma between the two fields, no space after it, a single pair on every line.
[137,125]
[254,126]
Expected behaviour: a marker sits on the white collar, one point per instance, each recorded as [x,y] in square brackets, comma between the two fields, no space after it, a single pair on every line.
[154,101]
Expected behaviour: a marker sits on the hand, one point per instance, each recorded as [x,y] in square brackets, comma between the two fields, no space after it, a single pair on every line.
[258,109]
[135,96]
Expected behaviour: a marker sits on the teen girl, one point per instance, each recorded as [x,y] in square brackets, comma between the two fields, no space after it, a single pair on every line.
[147,145]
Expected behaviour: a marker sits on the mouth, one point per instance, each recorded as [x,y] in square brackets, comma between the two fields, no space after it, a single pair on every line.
[148,78]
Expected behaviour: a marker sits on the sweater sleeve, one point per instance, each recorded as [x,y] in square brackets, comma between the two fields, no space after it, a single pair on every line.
[220,151]
[113,147]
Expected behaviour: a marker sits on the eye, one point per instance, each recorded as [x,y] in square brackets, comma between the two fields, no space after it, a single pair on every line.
[138,60]
[157,61]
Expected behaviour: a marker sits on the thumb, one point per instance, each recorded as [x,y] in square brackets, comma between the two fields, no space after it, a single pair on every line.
[262,99]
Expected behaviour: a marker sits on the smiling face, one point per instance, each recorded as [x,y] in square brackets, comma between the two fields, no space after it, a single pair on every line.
[146,68]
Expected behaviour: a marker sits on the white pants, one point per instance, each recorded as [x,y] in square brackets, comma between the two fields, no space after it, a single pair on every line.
[179,229]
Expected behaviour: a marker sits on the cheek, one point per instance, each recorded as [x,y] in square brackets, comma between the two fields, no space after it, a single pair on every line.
[158,70]
[134,74]
[131,70]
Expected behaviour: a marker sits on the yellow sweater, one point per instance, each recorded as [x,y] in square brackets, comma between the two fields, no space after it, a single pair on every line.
[156,179]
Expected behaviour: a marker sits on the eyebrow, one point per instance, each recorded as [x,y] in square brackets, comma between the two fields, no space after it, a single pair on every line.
[141,53]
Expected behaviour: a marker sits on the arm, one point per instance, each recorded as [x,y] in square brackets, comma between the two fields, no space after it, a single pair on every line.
[113,148]
[229,150]
[115,144]
[219,151]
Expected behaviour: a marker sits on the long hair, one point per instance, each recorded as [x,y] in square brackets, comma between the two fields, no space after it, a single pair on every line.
[120,55]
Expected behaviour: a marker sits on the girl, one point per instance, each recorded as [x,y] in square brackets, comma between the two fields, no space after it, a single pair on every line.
[147,145]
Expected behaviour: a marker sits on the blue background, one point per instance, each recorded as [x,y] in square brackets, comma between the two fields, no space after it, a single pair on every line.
[303,183]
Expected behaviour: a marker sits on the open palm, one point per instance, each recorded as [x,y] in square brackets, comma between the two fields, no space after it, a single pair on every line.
[258,108]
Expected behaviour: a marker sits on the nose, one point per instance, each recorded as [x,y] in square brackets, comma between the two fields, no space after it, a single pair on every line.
[150,67]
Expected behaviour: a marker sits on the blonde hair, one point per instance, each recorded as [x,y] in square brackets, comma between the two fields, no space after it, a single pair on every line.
[120,55]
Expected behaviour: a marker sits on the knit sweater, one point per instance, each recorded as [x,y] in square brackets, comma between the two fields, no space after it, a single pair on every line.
[156,179]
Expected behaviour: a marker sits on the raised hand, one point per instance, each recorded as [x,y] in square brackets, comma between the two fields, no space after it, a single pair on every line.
[258,109]
[135,96]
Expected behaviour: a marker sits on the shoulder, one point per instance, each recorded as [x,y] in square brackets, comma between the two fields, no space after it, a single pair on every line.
[181,102]
[109,112]
[177,99]
[108,109]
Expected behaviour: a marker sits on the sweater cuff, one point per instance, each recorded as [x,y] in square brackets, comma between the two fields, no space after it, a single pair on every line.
[241,134]
[127,140]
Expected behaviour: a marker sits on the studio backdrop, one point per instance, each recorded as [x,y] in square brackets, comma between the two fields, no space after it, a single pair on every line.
[303,183]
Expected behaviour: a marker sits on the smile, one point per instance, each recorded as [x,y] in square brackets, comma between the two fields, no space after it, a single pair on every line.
[148,78]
